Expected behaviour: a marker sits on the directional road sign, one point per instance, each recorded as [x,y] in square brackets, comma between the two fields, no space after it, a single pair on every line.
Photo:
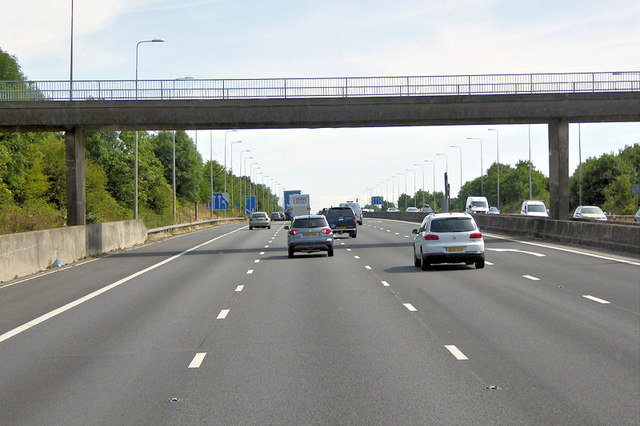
[377,200]
[220,201]
[250,203]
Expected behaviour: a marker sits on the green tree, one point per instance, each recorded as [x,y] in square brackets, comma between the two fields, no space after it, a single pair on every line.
[188,162]
[9,68]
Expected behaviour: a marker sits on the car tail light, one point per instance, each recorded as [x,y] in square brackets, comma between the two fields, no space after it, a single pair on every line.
[293,232]
[355,222]
[326,230]
[431,237]
[475,235]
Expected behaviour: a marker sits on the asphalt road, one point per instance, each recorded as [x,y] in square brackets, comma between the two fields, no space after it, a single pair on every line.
[220,327]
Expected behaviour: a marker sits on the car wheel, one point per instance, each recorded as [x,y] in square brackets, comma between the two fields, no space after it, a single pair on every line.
[330,252]
[268,227]
[424,263]
[290,252]
[480,264]
[250,228]
[354,234]
[416,261]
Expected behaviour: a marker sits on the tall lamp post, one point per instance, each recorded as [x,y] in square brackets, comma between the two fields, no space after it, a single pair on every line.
[481,166]
[173,172]
[422,166]
[135,150]
[433,166]
[460,191]
[242,200]
[446,159]
[414,185]
[225,157]
[231,172]
[498,161]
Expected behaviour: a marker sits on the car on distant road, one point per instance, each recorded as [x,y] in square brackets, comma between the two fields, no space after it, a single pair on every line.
[276,216]
[426,209]
[493,210]
[357,210]
[392,210]
[412,210]
[534,208]
[342,220]
[448,238]
[309,234]
[259,220]
[589,213]
[637,216]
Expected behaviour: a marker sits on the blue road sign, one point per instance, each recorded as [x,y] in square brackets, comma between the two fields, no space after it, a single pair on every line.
[250,203]
[220,201]
[237,204]
[377,200]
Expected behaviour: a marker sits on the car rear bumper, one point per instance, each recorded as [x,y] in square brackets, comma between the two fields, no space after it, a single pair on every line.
[311,246]
[453,257]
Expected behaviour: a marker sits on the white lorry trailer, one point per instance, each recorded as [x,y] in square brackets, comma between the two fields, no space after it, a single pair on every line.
[299,205]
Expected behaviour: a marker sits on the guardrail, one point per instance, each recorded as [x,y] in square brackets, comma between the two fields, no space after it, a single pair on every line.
[332,87]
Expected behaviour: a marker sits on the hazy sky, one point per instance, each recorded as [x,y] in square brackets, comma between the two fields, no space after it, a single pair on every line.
[329,38]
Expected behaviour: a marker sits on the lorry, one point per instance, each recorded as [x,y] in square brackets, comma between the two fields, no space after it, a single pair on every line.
[299,205]
[287,203]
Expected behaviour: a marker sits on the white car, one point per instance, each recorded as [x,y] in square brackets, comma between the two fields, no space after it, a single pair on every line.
[589,213]
[413,210]
[448,238]
[534,208]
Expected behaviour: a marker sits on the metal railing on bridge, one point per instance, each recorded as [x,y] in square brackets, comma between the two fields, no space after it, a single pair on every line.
[337,87]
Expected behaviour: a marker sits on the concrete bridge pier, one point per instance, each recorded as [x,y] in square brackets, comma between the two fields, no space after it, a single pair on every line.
[75,154]
[559,169]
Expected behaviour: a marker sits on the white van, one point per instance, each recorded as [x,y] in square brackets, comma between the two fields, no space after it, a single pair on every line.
[477,205]
[534,208]
[356,209]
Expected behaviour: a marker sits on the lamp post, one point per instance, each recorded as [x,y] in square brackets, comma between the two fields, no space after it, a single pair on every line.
[579,161]
[460,191]
[481,166]
[135,150]
[422,166]
[393,190]
[242,200]
[225,158]
[498,161]
[211,170]
[173,172]
[446,158]
[433,166]
[231,170]
[530,188]
[414,184]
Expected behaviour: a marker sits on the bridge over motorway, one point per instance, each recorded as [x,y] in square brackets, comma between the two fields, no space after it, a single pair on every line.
[78,107]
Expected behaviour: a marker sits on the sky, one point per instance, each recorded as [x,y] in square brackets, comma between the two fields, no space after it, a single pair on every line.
[351,38]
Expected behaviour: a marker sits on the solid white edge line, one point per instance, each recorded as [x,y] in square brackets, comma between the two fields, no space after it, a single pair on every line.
[456,352]
[9,334]
[223,314]
[239,288]
[596,299]
[197,360]
[410,307]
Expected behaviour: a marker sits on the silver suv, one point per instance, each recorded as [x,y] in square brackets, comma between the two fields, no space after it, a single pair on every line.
[309,234]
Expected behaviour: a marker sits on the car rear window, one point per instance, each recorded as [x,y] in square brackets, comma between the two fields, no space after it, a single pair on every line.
[309,223]
[537,208]
[454,224]
[340,212]
[259,215]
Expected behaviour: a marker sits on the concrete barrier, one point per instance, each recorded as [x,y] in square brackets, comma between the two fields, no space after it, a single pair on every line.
[25,253]
[599,235]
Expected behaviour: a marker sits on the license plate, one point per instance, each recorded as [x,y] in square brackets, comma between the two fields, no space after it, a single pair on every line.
[454,249]
[342,227]
[311,234]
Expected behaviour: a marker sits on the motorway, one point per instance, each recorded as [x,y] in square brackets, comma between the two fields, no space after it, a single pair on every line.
[218,326]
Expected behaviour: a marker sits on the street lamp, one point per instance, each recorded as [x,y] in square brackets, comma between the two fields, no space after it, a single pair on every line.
[231,170]
[460,148]
[242,200]
[211,169]
[173,172]
[481,166]
[498,161]
[225,157]
[414,184]
[422,166]
[446,193]
[433,166]
[135,150]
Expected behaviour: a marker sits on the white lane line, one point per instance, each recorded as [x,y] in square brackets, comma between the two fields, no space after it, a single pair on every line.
[256,261]
[261,253]
[532,253]
[341,244]
[406,236]
[9,334]
[595,299]
[388,230]
[267,246]
[530,277]
[488,263]
[348,249]
[197,360]
[397,233]
[356,257]
[456,352]
[239,288]
[223,314]
[367,267]
[250,271]
[384,283]
[410,307]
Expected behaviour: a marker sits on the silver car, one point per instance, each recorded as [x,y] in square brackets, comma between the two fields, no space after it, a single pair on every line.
[259,220]
[589,213]
[448,238]
[309,234]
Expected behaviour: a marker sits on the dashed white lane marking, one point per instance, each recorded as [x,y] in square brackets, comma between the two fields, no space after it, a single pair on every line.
[406,236]
[9,334]
[456,352]
[223,314]
[348,249]
[341,244]
[530,277]
[239,288]
[384,283]
[197,360]
[410,307]
[356,257]
[261,253]
[267,246]
[388,230]
[250,271]
[367,267]
[488,263]
[596,299]
[397,233]
[256,261]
